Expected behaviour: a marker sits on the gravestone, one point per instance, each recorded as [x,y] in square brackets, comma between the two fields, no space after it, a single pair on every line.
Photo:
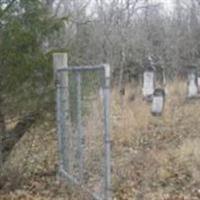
[148,83]
[192,83]
[158,102]
[198,82]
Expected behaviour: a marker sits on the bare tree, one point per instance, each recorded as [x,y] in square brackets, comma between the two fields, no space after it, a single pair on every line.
[123,32]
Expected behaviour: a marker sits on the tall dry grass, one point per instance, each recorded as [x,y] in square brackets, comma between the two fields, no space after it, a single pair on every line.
[156,158]
[153,158]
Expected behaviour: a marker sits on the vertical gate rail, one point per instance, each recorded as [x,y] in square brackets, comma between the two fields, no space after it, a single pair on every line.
[107,141]
[61,71]
[79,124]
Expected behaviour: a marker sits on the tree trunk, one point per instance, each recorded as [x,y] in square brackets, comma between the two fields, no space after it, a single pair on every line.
[2,131]
[121,78]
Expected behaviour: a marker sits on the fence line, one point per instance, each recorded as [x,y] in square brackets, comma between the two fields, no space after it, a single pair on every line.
[72,158]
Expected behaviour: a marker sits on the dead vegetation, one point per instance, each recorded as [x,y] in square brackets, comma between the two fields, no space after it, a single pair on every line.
[153,158]
[157,158]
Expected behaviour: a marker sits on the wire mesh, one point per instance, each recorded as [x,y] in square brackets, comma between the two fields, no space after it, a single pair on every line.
[86,131]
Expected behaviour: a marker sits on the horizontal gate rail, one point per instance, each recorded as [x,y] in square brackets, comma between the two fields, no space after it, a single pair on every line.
[82,68]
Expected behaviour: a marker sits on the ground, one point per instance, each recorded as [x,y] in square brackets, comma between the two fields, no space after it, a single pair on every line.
[153,158]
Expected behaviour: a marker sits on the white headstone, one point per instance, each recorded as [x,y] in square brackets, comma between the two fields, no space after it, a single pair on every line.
[148,83]
[157,104]
[192,86]
[198,83]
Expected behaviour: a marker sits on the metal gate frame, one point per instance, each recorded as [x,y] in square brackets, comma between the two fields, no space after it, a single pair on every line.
[62,114]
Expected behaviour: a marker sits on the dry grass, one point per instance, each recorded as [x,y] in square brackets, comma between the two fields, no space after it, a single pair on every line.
[157,158]
[153,158]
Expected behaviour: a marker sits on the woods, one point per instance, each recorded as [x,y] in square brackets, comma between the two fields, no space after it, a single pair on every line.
[25,68]
[127,34]
[122,33]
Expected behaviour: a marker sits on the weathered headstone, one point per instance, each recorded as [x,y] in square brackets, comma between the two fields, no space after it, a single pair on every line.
[192,83]
[198,82]
[158,102]
[148,83]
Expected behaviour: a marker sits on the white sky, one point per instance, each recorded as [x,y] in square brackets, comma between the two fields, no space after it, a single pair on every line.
[168,4]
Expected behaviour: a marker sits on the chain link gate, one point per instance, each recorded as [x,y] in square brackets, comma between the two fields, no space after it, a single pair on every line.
[82,99]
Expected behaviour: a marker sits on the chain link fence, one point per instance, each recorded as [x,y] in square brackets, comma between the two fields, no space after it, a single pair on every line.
[83,126]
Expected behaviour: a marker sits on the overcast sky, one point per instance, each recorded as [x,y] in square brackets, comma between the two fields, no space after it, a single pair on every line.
[168,4]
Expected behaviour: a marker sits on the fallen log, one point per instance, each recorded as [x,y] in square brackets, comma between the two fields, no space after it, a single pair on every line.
[12,137]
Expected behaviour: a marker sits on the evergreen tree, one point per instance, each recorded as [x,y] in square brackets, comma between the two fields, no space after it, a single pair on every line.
[25,69]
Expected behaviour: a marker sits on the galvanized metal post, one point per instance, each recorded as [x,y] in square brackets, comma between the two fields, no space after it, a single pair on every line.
[59,129]
[80,130]
[62,108]
[107,141]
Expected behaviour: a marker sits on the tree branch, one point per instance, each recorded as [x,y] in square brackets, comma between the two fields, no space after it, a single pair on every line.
[7,8]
